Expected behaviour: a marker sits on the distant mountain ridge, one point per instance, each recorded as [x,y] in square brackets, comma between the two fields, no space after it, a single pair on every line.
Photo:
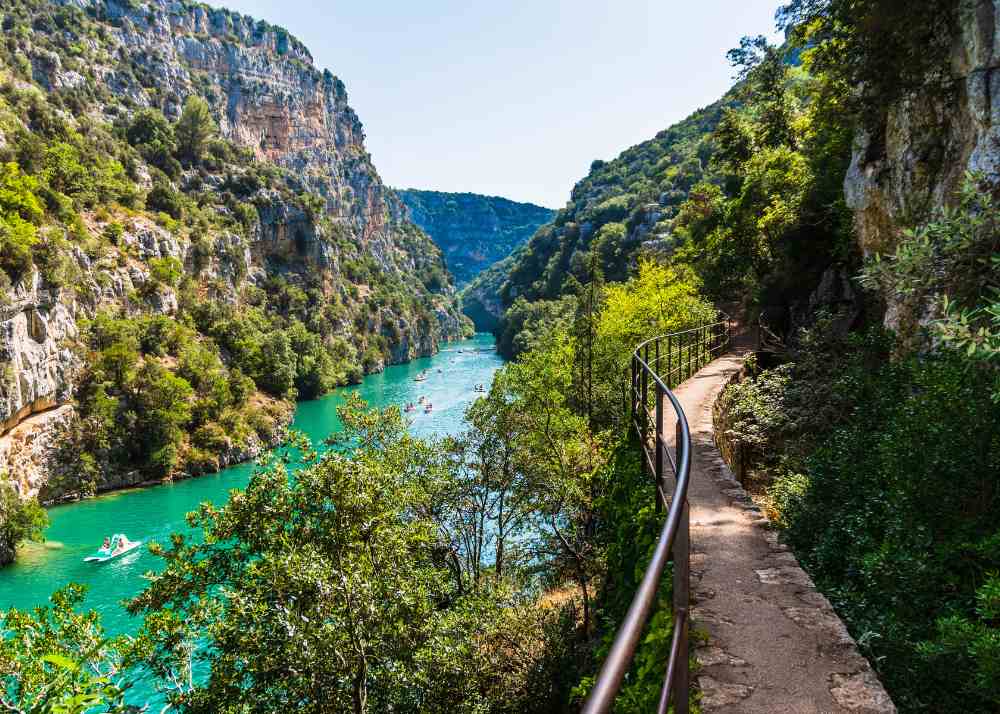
[473,231]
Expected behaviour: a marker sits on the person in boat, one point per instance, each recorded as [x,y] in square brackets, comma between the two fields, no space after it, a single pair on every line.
[121,543]
[111,545]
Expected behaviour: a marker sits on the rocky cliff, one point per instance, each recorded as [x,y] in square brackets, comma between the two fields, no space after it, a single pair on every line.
[281,225]
[914,162]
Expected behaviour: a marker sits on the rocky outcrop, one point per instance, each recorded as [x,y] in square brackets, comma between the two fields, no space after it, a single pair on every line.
[26,451]
[39,353]
[37,363]
[269,97]
[930,140]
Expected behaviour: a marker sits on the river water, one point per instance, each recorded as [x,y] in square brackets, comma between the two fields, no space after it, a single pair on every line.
[154,513]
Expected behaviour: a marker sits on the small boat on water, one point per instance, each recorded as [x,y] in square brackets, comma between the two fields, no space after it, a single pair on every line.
[114,547]
[429,408]
[409,407]
[421,400]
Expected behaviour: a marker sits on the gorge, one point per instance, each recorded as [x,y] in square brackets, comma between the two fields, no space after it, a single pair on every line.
[198,259]
[269,215]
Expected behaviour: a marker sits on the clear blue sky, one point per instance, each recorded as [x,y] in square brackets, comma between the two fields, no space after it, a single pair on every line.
[516,98]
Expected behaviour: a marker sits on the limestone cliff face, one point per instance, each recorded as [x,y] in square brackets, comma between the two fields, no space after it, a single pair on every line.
[267,96]
[931,140]
[328,224]
[39,353]
[34,331]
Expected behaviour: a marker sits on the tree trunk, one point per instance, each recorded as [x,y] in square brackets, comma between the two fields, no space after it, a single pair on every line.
[361,690]
[582,580]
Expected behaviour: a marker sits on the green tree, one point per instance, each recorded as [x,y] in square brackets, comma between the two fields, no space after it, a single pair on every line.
[558,455]
[278,364]
[163,408]
[194,129]
[58,661]
[153,136]
[319,590]
[487,502]
[20,212]
[882,49]
[585,332]
[20,519]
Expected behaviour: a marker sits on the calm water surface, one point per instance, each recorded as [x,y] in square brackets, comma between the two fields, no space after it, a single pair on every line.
[154,513]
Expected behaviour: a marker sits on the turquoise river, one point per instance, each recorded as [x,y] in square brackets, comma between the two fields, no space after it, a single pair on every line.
[154,513]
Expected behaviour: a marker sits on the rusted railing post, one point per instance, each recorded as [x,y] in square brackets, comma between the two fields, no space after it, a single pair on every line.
[682,596]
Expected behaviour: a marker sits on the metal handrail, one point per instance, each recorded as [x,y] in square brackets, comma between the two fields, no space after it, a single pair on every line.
[702,345]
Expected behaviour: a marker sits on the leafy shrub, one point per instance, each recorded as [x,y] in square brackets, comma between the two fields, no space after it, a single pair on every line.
[20,519]
[20,212]
[883,476]
[163,197]
[898,524]
[57,659]
[166,271]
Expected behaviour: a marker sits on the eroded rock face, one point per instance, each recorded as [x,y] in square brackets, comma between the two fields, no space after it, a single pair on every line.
[269,97]
[37,363]
[931,141]
[26,451]
[39,348]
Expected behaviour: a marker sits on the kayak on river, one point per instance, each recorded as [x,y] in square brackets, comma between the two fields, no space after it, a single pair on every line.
[113,547]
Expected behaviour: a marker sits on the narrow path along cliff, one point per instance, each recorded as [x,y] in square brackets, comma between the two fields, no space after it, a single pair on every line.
[775,645]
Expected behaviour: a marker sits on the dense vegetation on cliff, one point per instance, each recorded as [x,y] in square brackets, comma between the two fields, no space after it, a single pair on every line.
[619,207]
[171,263]
[865,433]
[889,314]
[473,231]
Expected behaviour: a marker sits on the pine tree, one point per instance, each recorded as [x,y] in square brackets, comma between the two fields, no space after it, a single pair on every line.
[195,127]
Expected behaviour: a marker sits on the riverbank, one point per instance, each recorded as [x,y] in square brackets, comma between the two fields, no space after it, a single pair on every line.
[153,513]
[33,453]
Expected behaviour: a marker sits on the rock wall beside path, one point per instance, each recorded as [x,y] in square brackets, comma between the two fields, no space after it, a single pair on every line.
[917,160]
